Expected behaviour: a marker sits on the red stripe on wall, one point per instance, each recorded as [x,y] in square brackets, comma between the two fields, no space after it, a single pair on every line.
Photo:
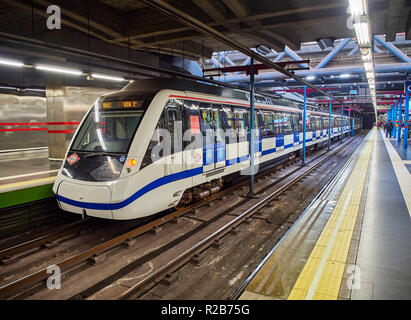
[60,131]
[27,129]
[38,123]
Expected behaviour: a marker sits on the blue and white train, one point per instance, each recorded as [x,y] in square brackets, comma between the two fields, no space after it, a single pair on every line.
[111,170]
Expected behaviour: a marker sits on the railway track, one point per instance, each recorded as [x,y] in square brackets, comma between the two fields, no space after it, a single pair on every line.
[33,281]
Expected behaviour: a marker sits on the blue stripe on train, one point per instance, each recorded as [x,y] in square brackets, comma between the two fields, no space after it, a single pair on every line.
[151,186]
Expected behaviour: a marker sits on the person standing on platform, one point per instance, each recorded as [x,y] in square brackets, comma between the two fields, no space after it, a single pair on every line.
[388,128]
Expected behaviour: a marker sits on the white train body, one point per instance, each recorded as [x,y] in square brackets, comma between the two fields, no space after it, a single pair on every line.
[108,172]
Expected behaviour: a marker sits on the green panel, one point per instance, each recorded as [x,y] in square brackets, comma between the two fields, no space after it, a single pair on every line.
[13,198]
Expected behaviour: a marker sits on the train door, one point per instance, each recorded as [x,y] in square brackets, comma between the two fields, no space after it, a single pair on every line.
[174,126]
[213,136]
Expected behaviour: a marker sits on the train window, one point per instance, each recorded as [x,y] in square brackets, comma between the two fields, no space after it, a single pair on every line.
[325,122]
[277,123]
[287,123]
[313,124]
[319,123]
[269,128]
[296,122]
[257,119]
[109,131]
[240,123]
[174,126]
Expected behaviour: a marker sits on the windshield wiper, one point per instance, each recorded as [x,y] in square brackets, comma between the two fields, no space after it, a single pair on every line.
[97,154]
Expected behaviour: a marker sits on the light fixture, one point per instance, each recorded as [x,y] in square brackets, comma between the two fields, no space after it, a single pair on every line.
[11,63]
[263,49]
[344,76]
[58,70]
[357,7]
[310,78]
[104,77]
[363,33]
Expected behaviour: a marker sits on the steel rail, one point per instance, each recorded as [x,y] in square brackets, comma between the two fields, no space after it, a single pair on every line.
[201,27]
[27,245]
[186,256]
[26,281]
[325,190]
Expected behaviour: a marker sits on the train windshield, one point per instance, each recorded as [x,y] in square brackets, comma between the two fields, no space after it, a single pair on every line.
[109,127]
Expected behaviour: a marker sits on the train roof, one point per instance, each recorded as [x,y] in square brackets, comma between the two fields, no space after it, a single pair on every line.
[153,86]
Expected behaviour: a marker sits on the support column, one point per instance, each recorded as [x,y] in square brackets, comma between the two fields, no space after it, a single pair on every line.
[329,125]
[406,112]
[342,123]
[304,122]
[349,121]
[252,135]
[399,119]
[394,128]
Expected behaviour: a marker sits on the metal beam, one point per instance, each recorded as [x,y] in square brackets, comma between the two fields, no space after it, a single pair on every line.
[393,49]
[197,25]
[293,55]
[213,9]
[333,53]
[251,18]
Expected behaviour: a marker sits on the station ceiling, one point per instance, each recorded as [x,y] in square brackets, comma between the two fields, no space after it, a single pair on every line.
[132,24]
[132,31]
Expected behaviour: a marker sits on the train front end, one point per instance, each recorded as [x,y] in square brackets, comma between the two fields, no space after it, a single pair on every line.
[100,165]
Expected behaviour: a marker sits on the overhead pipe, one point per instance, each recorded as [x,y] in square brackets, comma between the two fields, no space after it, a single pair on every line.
[333,53]
[324,72]
[393,49]
[353,51]
[293,55]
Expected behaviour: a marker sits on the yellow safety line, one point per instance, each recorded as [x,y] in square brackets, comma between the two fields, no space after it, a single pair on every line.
[26,184]
[322,274]
[402,173]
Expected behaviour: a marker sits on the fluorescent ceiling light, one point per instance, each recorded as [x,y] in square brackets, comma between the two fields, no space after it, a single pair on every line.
[59,70]
[11,63]
[357,7]
[363,34]
[101,76]
[345,76]
[310,78]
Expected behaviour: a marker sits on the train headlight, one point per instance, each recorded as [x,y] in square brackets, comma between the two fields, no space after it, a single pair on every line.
[131,163]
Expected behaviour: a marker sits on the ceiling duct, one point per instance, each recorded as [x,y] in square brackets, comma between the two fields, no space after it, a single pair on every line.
[263,49]
[326,43]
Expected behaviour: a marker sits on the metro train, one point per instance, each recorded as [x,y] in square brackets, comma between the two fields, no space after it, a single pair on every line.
[161,143]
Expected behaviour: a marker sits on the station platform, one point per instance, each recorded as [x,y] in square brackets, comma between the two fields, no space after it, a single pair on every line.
[26,176]
[354,240]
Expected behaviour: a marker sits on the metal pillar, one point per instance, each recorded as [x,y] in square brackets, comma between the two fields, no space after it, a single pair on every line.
[329,125]
[399,119]
[342,122]
[349,121]
[252,135]
[394,128]
[352,127]
[304,121]
[406,112]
